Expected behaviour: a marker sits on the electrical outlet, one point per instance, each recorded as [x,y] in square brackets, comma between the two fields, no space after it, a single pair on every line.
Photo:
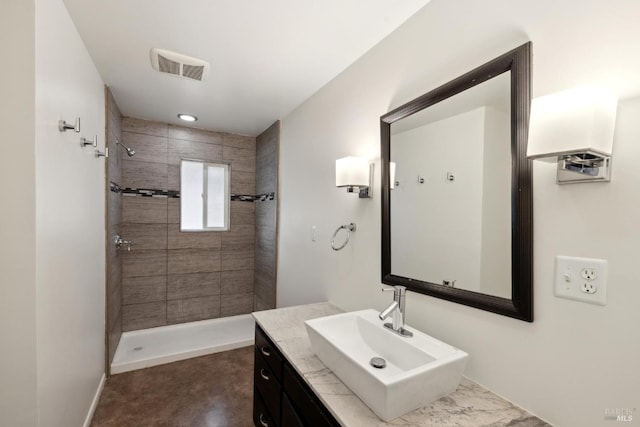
[581,279]
[589,273]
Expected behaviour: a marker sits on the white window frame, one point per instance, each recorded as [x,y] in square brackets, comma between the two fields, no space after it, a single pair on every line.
[205,193]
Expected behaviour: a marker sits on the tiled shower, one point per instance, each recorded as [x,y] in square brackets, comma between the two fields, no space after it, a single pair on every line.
[171,277]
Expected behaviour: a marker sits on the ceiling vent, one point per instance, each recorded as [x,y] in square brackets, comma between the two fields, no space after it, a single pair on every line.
[177,64]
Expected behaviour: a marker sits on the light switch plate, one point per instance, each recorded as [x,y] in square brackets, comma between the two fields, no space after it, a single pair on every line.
[581,279]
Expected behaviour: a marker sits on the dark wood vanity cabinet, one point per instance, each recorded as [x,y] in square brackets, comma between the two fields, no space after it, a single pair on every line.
[281,398]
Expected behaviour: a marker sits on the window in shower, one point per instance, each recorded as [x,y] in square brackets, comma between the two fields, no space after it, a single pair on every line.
[204,196]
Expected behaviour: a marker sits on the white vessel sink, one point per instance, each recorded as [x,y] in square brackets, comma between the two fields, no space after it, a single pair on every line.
[419,369]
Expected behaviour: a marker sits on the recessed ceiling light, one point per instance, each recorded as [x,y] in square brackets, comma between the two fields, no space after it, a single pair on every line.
[187,117]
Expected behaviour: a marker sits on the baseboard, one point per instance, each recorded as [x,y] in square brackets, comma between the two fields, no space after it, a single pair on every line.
[94,403]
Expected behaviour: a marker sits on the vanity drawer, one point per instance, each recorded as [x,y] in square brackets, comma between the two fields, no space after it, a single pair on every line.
[269,352]
[261,417]
[308,408]
[267,386]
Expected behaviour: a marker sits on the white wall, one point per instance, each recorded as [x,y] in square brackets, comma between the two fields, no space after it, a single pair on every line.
[576,359]
[52,249]
[448,245]
[70,212]
[17,217]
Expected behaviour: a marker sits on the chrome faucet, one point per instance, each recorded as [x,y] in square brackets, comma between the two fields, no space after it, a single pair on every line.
[396,309]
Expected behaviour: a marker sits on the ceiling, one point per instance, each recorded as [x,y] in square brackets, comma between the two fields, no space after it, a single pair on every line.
[266,57]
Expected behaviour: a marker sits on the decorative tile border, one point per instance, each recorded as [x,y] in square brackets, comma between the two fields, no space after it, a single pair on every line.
[173,194]
[242,198]
[145,192]
[265,197]
[256,198]
[114,187]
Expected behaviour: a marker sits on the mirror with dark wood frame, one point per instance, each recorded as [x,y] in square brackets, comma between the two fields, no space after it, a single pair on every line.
[509,290]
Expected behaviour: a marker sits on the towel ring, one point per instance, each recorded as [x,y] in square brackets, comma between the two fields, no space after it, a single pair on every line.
[351,227]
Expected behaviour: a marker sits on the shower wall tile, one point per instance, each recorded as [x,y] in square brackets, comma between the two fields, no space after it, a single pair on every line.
[242,213]
[113,335]
[144,263]
[265,264]
[145,236]
[114,161]
[260,305]
[267,163]
[196,135]
[183,270]
[266,183]
[265,238]
[192,240]
[240,235]
[192,309]
[148,148]
[265,289]
[180,286]
[114,119]
[114,219]
[114,207]
[180,149]
[234,304]
[238,258]
[266,213]
[136,290]
[144,210]
[114,277]
[239,141]
[242,182]
[182,261]
[173,177]
[146,127]
[242,160]
[114,304]
[142,316]
[173,211]
[236,282]
[144,175]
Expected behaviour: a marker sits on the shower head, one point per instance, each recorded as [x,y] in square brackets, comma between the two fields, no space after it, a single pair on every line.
[130,152]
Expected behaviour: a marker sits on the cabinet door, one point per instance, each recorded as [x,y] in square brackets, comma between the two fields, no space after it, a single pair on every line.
[267,385]
[289,416]
[306,404]
[261,417]
[270,353]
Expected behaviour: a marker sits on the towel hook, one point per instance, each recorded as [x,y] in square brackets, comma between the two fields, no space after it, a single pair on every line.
[351,227]
[63,126]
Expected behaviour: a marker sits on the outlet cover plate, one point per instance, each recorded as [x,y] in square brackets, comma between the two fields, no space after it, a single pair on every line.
[573,275]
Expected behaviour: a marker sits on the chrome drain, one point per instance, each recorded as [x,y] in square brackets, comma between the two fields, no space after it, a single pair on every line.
[378,362]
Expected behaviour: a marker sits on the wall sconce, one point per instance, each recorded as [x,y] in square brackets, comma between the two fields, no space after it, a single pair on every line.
[355,172]
[575,129]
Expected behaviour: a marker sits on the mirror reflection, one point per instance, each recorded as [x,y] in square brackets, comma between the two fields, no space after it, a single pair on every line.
[450,198]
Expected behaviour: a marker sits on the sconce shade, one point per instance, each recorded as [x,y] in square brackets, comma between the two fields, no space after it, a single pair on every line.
[574,120]
[352,172]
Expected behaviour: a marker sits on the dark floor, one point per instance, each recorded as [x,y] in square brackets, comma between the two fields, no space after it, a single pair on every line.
[214,390]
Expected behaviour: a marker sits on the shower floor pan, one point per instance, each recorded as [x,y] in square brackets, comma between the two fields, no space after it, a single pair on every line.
[166,344]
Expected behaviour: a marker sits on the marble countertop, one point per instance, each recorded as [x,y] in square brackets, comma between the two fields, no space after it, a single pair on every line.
[469,406]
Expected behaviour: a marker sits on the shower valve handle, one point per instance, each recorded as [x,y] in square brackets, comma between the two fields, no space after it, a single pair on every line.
[120,242]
